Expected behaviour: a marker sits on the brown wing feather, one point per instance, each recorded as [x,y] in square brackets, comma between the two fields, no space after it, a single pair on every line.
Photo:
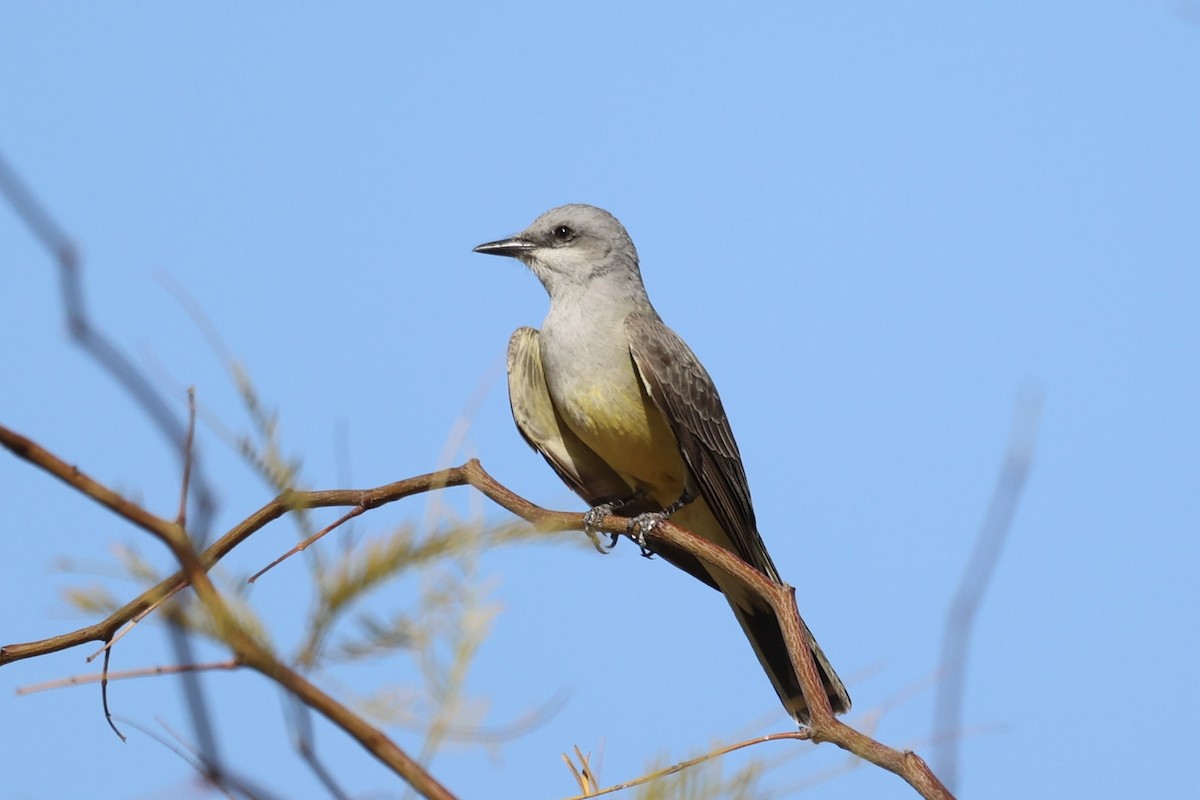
[683,391]
[681,388]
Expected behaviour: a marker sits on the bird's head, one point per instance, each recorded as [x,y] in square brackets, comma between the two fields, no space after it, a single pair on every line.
[571,248]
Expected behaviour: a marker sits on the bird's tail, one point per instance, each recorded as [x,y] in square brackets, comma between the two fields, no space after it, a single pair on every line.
[762,629]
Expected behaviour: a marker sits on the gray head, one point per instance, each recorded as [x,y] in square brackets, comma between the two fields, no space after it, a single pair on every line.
[572,248]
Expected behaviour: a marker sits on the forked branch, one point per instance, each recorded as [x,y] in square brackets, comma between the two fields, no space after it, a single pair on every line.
[823,728]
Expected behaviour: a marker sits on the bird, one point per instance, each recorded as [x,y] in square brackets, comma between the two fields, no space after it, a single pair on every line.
[625,413]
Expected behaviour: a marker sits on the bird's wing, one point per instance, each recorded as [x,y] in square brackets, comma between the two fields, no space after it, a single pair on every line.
[684,393]
[542,427]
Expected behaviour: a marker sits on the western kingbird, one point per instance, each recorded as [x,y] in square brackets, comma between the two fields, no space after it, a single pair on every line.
[626,415]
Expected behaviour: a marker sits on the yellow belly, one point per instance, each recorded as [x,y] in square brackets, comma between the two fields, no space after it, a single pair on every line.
[626,429]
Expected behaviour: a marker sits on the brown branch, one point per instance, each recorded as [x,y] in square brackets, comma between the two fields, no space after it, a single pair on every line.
[468,474]
[138,617]
[188,444]
[104,630]
[309,542]
[37,455]
[246,648]
[129,674]
[823,728]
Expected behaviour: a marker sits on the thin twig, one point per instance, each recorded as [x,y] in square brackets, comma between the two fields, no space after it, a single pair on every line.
[304,545]
[150,609]
[587,776]
[124,675]
[108,717]
[181,517]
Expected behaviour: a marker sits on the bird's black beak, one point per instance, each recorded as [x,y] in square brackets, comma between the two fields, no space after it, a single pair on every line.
[513,246]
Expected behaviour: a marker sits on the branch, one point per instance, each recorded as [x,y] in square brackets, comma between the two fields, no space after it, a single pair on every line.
[824,727]
[284,503]
[246,648]
[148,672]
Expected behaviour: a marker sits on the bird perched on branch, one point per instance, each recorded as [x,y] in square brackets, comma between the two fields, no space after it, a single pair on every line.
[627,416]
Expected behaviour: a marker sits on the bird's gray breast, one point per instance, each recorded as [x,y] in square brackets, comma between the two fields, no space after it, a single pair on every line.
[587,355]
[598,392]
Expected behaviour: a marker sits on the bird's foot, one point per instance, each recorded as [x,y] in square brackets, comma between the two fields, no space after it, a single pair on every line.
[594,516]
[642,524]
[591,521]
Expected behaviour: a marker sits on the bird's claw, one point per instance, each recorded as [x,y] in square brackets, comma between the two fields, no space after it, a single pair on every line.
[642,524]
[591,521]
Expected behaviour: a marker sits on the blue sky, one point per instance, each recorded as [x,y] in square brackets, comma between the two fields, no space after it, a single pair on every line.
[877,224]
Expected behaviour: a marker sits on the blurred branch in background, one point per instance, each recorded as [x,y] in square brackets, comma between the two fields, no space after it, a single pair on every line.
[169,423]
[93,341]
[960,615]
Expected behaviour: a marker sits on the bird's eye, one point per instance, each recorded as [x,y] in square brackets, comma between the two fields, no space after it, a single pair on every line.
[564,233]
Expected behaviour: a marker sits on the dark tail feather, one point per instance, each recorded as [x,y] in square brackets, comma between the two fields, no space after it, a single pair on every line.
[762,629]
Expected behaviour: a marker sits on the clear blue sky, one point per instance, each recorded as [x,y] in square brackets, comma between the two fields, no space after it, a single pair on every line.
[876,224]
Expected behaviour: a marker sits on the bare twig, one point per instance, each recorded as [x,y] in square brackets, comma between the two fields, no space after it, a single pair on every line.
[193,694]
[141,615]
[309,542]
[124,675]
[181,517]
[108,717]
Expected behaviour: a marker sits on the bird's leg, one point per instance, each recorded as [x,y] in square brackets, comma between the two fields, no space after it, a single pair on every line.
[594,516]
[642,524]
[683,500]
